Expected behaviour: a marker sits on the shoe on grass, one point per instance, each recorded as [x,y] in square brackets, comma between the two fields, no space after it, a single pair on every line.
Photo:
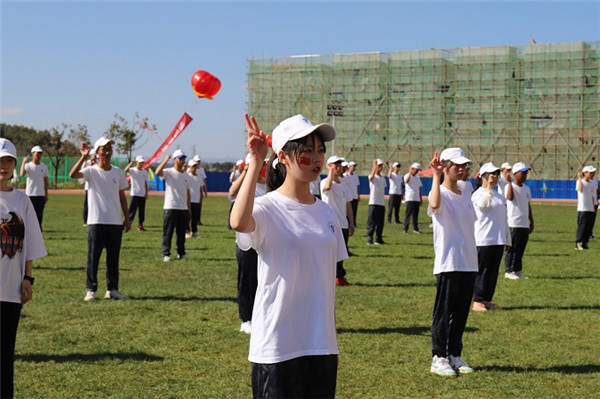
[441,366]
[579,246]
[479,307]
[182,257]
[246,327]
[141,228]
[342,281]
[90,296]
[521,275]
[459,365]
[166,258]
[511,276]
[491,306]
[114,294]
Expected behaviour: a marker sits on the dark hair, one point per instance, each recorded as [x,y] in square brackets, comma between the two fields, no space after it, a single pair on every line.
[294,148]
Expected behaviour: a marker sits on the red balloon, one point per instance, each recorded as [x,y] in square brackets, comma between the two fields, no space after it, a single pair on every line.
[205,84]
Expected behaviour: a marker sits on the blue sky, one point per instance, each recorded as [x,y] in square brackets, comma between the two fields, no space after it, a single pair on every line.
[80,62]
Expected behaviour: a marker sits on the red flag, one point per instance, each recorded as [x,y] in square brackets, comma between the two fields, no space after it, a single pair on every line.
[533,41]
[184,121]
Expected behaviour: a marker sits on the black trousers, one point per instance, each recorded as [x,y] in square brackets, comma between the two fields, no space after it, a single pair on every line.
[394,204]
[339,270]
[247,281]
[375,221]
[10,313]
[195,217]
[85,208]
[102,236]
[354,205]
[39,202]
[174,220]
[200,209]
[488,258]
[450,312]
[513,261]
[585,225]
[412,212]
[137,203]
[302,377]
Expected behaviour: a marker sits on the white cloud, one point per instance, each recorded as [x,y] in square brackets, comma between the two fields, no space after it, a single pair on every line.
[13,111]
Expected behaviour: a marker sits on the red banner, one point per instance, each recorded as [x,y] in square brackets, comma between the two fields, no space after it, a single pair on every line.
[184,121]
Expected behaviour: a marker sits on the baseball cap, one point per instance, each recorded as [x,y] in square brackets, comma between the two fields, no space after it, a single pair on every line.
[191,162]
[334,159]
[416,165]
[37,148]
[455,155]
[296,127]
[519,167]
[395,164]
[140,158]
[379,161]
[197,158]
[239,162]
[588,168]
[179,154]
[344,163]
[488,168]
[351,163]
[7,149]
[101,142]
[505,165]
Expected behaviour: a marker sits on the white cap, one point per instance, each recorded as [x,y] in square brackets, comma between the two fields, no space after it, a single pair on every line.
[7,149]
[455,155]
[197,158]
[351,163]
[101,142]
[416,166]
[379,161]
[588,168]
[191,162]
[344,163]
[296,127]
[37,148]
[140,158]
[395,164]
[179,154]
[239,162]
[488,168]
[505,165]
[334,159]
[519,167]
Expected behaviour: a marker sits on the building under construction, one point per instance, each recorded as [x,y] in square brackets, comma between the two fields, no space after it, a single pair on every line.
[536,103]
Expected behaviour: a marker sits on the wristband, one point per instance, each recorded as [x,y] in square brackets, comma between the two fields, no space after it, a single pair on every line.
[29,278]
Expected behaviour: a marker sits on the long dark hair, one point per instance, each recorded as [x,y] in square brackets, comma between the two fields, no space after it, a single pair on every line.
[294,148]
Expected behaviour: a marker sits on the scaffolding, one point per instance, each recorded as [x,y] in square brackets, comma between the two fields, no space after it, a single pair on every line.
[536,103]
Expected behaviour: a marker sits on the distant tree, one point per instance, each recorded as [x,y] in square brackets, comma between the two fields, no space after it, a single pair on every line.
[79,135]
[125,136]
[24,138]
[58,148]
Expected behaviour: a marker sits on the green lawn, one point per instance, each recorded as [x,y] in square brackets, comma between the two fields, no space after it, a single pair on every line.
[179,335]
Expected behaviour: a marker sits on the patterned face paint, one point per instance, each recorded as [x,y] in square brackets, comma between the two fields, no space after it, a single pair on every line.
[305,161]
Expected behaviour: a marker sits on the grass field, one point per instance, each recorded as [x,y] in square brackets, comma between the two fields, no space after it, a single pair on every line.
[179,335]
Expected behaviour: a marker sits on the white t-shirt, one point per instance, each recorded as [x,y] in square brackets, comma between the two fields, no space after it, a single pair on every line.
[585,197]
[454,233]
[138,182]
[202,173]
[491,226]
[518,208]
[353,183]
[411,189]
[21,241]
[502,182]
[315,186]
[337,197]
[260,190]
[104,205]
[233,177]
[377,190]
[35,179]
[196,183]
[298,246]
[465,186]
[396,183]
[176,189]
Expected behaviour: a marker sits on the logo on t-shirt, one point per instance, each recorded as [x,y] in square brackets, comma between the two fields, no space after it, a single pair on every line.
[12,233]
[331,227]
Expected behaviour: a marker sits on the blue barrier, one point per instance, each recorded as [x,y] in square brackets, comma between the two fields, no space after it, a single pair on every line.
[218,182]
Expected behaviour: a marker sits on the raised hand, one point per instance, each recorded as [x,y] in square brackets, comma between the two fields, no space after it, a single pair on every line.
[257,141]
[437,166]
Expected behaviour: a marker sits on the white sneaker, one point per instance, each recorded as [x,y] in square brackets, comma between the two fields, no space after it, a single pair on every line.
[182,257]
[188,235]
[511,276]
[521,275]
[459,365]
[166,258]
[114,294]
[246,327]
[440,366]
[579,246]
[90,296]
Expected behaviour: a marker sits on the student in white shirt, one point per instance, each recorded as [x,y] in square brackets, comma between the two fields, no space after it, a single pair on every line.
[395,193]
[22,243]
[354,183]
[293,346]
[504,178]
[106,198]
[203,188]
[376,216]
[176,209]
[455,265]
[196,181]
[412,197]
[235,174]
[520,221]
[586,207]
[37,181]
[335,193]
[139,190]
[491,236]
